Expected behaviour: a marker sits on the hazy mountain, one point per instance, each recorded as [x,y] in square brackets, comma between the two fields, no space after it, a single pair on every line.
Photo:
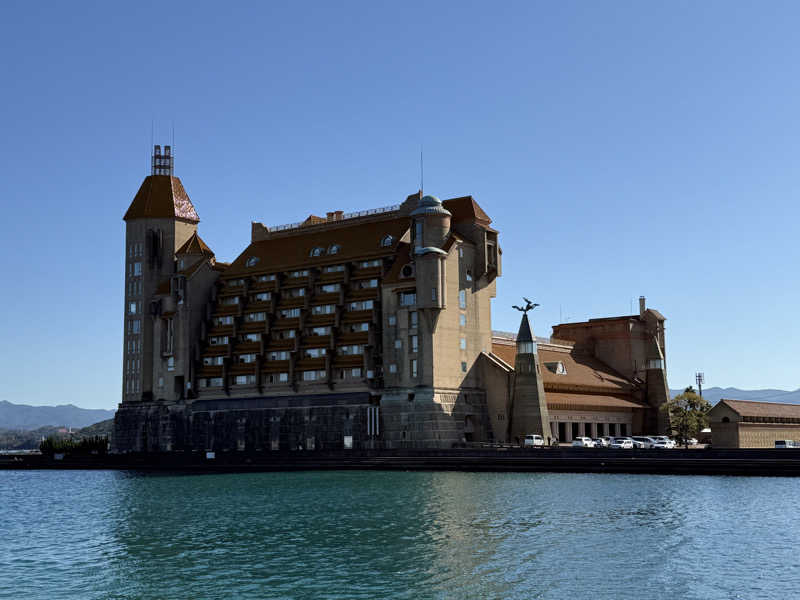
[715,394]
[22,416]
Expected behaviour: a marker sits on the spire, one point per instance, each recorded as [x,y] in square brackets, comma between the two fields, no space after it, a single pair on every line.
[524,334]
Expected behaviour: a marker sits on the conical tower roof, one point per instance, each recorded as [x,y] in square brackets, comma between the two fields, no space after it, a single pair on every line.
[195,245]
[162,196]
[525,334]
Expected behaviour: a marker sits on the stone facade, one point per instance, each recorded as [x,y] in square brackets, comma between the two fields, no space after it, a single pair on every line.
[745,424]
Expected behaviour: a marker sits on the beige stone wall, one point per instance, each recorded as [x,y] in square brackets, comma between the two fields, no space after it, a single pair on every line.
[724,435]
[763,435]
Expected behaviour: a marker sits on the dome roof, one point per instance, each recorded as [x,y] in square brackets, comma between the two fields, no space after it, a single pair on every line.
[430,205]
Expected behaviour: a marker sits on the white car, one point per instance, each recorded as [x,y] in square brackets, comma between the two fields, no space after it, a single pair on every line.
[623,443]
[532,440]
[663,441]
[643,442]
[583,442]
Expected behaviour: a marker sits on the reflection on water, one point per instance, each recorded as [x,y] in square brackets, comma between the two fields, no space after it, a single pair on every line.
[403,535]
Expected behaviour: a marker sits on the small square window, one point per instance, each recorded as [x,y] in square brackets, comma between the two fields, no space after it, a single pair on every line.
[392,320]
[392,368]
[462,343]
[398,344]
[463,367]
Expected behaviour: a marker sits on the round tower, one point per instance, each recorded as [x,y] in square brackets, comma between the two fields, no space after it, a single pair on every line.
[431,223]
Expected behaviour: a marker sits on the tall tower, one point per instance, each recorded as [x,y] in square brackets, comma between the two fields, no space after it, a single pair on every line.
[529,411]
[160,220]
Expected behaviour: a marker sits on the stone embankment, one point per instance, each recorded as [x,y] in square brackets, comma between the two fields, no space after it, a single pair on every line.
[565,460]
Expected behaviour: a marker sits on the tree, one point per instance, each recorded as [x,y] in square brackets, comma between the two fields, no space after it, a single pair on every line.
[688,414]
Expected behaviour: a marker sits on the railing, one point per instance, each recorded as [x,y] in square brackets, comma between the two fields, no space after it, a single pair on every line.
[345,216]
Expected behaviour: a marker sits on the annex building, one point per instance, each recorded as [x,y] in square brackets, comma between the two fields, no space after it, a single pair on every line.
[352,330]
[749,424]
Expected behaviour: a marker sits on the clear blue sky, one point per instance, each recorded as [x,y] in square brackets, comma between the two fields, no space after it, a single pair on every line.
[622,149]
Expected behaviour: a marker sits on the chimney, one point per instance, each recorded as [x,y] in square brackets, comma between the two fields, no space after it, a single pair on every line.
[642,306]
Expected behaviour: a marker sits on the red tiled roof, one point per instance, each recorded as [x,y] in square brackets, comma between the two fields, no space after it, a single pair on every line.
[749,408]
[161,196]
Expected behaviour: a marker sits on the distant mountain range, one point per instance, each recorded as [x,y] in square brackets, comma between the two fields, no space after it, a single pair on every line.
[22,416]
[715,394]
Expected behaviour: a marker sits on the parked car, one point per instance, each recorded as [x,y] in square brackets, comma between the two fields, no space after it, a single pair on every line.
[692,441]
[667,442]
[607,439]
[532,440]
[622,443]
[642,441]
[786,444]
[601,442]
[583,442]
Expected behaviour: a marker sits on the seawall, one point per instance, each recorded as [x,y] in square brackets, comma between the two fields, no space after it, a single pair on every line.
[753,462]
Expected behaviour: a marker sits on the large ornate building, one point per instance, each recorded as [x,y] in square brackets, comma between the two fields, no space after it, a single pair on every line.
[367,329]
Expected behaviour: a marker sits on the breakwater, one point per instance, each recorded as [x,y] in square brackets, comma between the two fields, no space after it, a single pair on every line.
[558,460]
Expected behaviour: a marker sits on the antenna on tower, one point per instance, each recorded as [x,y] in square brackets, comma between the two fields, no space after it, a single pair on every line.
[421,170]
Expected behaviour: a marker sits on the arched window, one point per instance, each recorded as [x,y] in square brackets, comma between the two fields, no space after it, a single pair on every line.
[317,251]
[726,420]
[387,241]
[334,249]
[252,261]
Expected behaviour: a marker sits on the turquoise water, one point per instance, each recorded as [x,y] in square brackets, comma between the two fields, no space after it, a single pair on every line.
[106,534]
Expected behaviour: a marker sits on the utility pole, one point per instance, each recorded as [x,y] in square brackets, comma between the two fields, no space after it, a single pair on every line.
[700,379]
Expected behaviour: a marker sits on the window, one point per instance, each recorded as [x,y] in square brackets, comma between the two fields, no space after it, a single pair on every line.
[330,288]
[289,313]
[433,294]
[387,241]
[180,264]
[251,337]
[319,331]
[252,261]
[469,275]
[133,308]
[313,375]
[392,368]
[219,321]
[218,340]
[334,249]
[256,316]
[171,363]
[277,377]
[323,309]
[315,352]
[392,320]
[229,300]
[333,268]
[413,367]
[136,326]
[355,372]
[296,292]
[413,319]
[418,233]
[265,278]
[462,320]
[367,264]
[317,251]
[350,350]
[462,299]
[247,358]
[213,361]
[234,283]
[360,305]
[214,382]
[413,343]
[462,343]
[261,297]
[285,334]
[463,367]
[408,298]
[398,344]
[366,284]
[244,380]
[460,252]
[303,273]
[357,327]
[137,269]
[278,355]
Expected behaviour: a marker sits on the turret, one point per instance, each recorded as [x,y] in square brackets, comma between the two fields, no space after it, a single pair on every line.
[159,220]
[430,227]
